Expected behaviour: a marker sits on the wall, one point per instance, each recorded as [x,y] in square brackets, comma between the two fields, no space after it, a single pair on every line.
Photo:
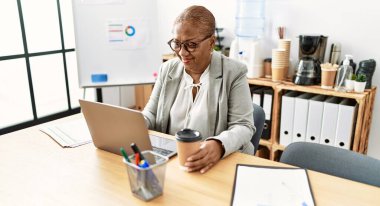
[168,10]
[351,23]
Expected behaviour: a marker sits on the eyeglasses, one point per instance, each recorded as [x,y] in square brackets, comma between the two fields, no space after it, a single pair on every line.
[189,46]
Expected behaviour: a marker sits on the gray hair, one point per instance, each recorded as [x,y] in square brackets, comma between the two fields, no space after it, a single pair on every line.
[199,16]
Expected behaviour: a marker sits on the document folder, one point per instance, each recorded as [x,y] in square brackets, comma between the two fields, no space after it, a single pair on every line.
[314,120]
[329,121]
[257,95]
[267,106]
[345,124]
[301,108]
[287,114]
[72,133]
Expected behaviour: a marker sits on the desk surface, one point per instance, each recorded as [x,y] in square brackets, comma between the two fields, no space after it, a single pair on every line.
[34,170]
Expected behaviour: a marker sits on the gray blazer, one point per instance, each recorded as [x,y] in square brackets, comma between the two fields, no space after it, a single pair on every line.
[230,109]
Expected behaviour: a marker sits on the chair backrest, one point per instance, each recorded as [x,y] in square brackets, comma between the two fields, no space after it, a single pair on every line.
[334,161]
[259,120]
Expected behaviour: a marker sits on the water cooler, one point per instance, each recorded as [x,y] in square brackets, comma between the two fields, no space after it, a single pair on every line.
[249,29]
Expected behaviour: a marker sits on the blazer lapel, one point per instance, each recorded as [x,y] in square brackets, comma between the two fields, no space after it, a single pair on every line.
[170,93]
[215,89]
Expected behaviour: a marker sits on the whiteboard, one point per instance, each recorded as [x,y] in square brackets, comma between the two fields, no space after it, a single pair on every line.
[116,42]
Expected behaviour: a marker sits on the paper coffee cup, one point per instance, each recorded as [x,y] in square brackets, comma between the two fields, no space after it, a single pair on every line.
[328,78]
[278,74]
[188,143]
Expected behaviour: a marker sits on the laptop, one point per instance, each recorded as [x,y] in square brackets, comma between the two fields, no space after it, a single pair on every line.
[112,127]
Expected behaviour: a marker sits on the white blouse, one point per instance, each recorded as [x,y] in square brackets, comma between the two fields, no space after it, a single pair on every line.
[186,113]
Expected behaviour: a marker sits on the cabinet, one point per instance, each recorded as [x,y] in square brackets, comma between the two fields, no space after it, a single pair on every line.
[364,100]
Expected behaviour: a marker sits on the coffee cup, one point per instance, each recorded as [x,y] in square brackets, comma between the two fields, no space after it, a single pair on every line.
[328,78]
[278,74]
[188,143]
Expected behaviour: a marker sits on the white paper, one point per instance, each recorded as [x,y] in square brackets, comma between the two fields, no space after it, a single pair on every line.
[271,186]
[69,134]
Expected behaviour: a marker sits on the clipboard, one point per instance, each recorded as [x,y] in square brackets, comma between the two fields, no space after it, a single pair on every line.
[264,185]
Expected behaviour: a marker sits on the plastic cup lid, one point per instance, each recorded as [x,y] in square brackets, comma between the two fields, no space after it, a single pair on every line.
[188,135]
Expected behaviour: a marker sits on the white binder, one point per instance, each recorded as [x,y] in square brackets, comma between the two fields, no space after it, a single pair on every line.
[345,125]
[314,120]
[301,109]
[287,113]
[329,121]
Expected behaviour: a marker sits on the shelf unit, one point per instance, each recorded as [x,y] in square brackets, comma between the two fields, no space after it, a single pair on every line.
[364,100]
[142,95]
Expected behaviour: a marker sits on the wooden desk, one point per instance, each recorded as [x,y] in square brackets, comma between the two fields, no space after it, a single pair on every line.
[34,170]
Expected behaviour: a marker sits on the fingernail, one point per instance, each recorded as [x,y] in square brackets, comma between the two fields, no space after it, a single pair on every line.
[202,171]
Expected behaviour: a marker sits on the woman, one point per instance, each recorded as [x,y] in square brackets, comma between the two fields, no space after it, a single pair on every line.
[202,90]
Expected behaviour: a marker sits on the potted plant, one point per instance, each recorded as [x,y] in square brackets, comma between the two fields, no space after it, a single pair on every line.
[350,83]
[360,82]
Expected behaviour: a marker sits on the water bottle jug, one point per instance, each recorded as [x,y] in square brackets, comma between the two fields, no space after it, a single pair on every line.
[250,15]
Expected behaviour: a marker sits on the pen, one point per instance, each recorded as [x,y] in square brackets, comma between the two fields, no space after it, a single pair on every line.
[137,150]
[124,154]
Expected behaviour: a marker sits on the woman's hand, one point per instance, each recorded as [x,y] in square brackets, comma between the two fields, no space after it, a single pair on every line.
[209,154]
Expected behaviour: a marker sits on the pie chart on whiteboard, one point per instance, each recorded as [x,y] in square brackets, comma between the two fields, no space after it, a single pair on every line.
[130,30]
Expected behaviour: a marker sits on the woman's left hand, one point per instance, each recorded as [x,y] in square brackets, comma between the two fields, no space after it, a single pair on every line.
[208,155]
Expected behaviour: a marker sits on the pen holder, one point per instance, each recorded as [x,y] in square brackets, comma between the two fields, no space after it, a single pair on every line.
[147,183]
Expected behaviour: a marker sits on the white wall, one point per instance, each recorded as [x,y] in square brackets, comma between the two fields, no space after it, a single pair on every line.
[168,10]
[352,23]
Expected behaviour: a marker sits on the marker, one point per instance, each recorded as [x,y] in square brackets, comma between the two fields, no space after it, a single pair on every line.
[124,154]
[144,164]
[137,150]
[137,159]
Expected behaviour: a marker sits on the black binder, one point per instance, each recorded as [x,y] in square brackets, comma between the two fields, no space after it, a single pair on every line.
[257,95]
[267,100]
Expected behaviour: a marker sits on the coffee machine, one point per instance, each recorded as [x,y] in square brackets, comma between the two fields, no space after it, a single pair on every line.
[311,54]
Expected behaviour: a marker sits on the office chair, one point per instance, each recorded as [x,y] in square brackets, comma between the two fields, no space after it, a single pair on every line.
[258,120]
[334,161]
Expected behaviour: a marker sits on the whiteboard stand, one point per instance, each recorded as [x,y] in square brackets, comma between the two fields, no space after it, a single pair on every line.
[116,42]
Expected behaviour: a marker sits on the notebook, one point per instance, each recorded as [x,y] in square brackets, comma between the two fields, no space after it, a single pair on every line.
[112,127]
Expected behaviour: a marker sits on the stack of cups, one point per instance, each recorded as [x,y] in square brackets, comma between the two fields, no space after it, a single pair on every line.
[285,44]
[279,63]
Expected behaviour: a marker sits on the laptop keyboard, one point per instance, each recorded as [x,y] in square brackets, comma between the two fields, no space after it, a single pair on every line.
[161,151]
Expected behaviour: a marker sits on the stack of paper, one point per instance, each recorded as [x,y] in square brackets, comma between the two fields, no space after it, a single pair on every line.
[69,134]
